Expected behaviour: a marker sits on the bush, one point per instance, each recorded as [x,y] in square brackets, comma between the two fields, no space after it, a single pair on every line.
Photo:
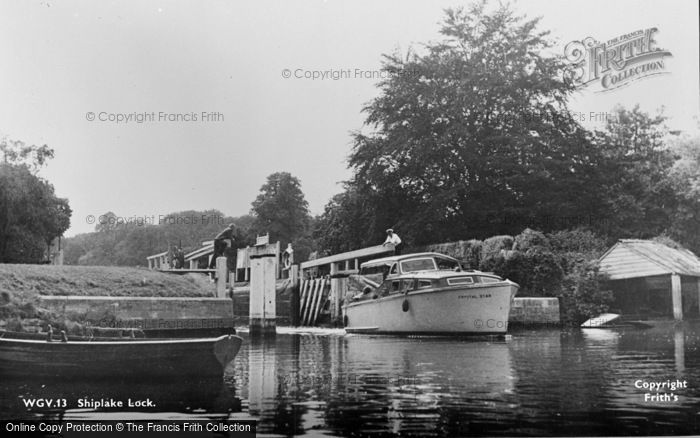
[493,245]
[582,296]
[493,250]
[561,264]
[530,239]
[515,267]
[473,253]
[577,241]
[537,271]
[546,275]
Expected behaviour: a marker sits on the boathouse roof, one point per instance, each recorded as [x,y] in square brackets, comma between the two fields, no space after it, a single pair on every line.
[632,258]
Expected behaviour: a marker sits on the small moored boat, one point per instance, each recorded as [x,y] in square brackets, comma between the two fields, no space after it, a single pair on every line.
[613,320]
[429,293]
[133,358]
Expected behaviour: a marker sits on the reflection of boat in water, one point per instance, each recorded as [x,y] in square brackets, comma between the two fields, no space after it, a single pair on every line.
[411,387]
[134,358]
[429,293]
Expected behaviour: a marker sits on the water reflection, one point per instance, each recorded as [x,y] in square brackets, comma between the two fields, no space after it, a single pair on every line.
[679,348]
[325,383]
[540,382]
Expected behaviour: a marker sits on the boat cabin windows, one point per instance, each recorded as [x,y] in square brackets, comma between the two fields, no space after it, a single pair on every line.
[394,269]
[489,279]
[425,284]
[391,287]
[384,289]
[460,280]
[413,265]
[402,286]
[408,284]
[373,270]
[447,264]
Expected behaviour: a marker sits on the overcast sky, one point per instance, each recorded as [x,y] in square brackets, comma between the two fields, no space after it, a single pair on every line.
[64,59]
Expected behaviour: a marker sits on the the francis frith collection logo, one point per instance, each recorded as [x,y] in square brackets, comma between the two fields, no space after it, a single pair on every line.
[616,62]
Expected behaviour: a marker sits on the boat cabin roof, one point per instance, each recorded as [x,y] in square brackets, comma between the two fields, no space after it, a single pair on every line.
[436,275]
[386,261]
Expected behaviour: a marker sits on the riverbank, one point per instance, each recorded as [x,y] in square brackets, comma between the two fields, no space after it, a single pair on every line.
[21,287]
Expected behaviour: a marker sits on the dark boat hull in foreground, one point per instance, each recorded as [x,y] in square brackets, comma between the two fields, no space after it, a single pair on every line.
[143,358]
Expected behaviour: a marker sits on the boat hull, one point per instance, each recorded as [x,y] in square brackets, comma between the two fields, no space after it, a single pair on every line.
[152,359]
[481,310]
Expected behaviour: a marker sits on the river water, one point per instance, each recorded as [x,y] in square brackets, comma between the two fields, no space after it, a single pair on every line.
[326,383]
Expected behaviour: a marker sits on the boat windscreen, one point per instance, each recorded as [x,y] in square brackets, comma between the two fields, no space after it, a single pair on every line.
[415,265]
[447,264]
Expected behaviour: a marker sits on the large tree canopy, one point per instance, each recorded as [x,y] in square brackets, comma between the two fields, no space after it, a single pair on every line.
[31,215]
[471,133]
[472,137]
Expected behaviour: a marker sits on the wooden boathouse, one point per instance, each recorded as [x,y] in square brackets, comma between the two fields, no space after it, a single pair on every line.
[652,280]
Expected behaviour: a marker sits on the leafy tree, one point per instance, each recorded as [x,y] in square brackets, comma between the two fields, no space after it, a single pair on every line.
[343,225]
[31,215]
[685,180]
[18,153]
[640,197]
[473,129]
[281,209]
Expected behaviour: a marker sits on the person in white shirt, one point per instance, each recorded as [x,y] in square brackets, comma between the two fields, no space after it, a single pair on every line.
[394,239]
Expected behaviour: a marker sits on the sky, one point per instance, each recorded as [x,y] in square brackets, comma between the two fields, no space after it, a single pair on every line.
[224,85]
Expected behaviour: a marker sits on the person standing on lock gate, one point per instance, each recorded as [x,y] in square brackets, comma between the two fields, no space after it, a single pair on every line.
[222,241]
[394,239]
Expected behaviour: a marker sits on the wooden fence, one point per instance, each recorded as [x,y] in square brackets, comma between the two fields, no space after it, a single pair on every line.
[314,295]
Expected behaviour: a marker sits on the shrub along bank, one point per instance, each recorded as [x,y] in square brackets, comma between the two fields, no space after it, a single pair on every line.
[562,264]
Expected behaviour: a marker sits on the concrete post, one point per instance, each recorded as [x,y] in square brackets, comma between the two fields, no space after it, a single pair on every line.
[296,296]
[342,292]
[221,277]
[294,275]
[335,293]
[263,299]
[676,297]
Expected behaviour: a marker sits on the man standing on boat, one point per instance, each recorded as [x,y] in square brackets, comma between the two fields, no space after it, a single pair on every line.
[394,239]
[222,241]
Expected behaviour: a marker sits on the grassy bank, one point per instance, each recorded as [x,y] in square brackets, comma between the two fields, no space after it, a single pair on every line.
[21,285]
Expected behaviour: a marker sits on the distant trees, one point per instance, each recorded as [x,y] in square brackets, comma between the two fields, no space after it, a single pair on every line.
[282,210]
[125,242]
[31,215]
[279,209]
